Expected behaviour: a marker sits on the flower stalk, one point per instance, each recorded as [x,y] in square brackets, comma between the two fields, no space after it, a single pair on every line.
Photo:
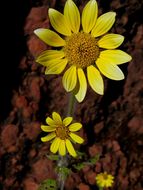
[71,105]
[63,162]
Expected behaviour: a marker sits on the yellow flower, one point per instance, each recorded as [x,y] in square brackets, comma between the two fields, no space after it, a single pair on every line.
[104,180]
[87,50]
[62,133]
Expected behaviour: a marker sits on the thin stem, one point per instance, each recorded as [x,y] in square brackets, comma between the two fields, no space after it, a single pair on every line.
[63,160]
[61,177]
[71,105]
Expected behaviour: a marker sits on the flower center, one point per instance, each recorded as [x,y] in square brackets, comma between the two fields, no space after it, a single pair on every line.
[81,49]
[62,132]
[105,176]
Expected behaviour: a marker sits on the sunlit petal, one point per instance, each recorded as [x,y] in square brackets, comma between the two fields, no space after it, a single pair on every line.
[49,55]
[55,145]
[76,138]
[49,37]
[111,41]
[95,80]
[72,15]
[55,66]
[103,24]
[50,121]
[89,16]
[75,127]
[57,118]
[67,121]
[110,70]
[48,137]
[70,148]
[115,56]
[70,79]
[82,86]
[62,148]
[59,22]
[47,128]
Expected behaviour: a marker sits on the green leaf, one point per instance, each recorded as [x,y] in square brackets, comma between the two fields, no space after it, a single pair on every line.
[53,157]
[64,171]
[94,159]
[49,184]
[80,154]
[79,166]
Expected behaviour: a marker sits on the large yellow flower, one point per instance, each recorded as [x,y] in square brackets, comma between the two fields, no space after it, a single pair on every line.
[87,49]
[62,133]
[104,180]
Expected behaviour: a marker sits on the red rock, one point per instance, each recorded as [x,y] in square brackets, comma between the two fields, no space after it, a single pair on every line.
[32,153]
[86,168]
[19,101]
[135,123]
[9,182]
[83,186]
[30,184]
[116,146]
[34,84]
[90,177]
[42,169]
[9,136]
[98,167]
[27,112]
[35,45]
[35,19]
[98,127]
[70,184]
[23,63]
[32,130]
[94,150]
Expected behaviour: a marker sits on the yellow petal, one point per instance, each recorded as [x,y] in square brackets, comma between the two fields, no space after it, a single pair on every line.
[103,24]
[48,56]
[59,22]
[111,41]
[115,56]
[56,66]
[72,15]
[62,148]
[76,138]
[48,137]
[70,148]
[110,70]
[70,79]
[49,37]
[55,145]
[67,121]
[95,80]
[75,127]
[47,128]
[82,86]
[57,118]
[89,16]
[50,121]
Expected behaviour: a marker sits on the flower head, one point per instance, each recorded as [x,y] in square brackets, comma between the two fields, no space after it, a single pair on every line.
[87,51]
[61,133]
[104,180]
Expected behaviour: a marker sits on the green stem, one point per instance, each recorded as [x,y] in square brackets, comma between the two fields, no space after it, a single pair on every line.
[63,160]
[71,105]
[61,177]
[100,188]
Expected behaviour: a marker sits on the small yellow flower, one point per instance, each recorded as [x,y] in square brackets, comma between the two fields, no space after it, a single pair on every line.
[104,180]
[84,49]
[62,133]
